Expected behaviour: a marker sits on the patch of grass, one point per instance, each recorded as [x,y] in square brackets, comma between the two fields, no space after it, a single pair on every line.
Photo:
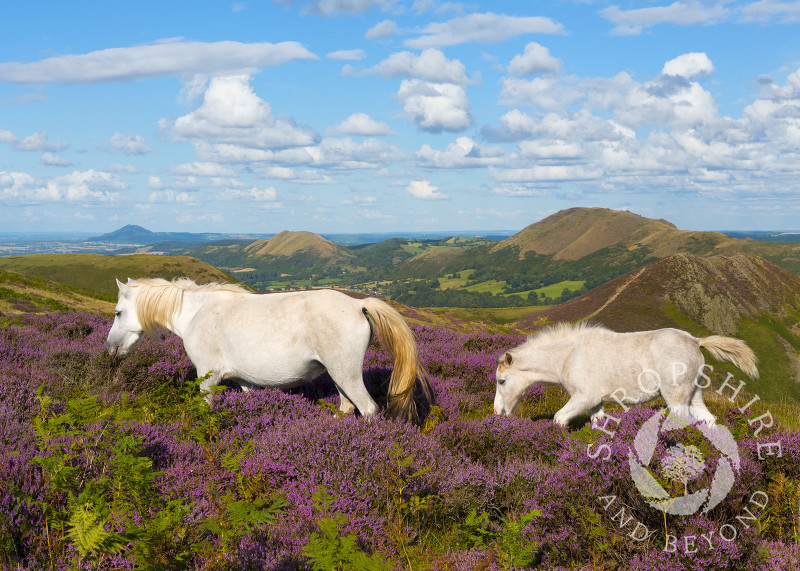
[554,290]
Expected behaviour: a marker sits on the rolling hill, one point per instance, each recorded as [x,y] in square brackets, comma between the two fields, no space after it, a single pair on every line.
[97,272]
[291,253]
[24,294]
[741,295]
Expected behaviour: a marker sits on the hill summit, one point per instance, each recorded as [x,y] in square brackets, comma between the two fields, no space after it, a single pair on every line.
[287,243]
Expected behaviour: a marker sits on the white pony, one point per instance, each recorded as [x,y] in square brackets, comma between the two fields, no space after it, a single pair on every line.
[596,365]
[276,340]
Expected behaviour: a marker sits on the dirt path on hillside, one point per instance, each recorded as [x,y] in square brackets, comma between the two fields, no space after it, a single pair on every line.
[620,289]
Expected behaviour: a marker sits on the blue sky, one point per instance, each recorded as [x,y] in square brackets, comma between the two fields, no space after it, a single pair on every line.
[392,115]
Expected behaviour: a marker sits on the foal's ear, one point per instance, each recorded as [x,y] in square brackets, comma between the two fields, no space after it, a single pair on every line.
[507,359]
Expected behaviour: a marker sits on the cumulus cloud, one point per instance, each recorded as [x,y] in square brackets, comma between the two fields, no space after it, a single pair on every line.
[39,142]
[361,124]
[381,30]
[174,58]
[435,107]
[169,195]
[353,55]
[232,112]
[252,194]
[690,66]
[335,7]
[487,27]
[766,10]
[78,186]
[203,169]
[7,136]
[53,160]
[129,144]
[424,190]
[680,13]
[535,59]
[464,153]
[431,65]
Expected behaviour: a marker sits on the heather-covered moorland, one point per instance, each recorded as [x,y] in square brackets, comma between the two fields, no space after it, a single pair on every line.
[118,463]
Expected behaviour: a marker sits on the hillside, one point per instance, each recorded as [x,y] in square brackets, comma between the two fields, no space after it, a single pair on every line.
[742,295]
[286,244]
[96,272]
[24,294]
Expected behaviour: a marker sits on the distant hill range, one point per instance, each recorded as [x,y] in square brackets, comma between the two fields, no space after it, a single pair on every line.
[741,295]
[133,234]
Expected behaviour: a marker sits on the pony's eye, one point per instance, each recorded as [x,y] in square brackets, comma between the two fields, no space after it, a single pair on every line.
[117,313]
[501,381]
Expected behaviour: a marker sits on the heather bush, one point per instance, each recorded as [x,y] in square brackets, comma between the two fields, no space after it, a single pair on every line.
[119,463]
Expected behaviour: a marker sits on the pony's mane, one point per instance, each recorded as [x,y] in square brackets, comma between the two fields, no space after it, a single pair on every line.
[159,300]
[560,332]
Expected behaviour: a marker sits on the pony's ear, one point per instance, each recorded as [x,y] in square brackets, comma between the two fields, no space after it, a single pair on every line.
[122,287]
[507,359]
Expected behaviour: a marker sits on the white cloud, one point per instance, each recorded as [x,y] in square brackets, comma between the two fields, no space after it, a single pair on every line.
[172,196]
[175,58]
[536,59]
[253,194]
[424,190]
[78,186]
[681,13]
[52,159]
[203,169]
[488,27]
[464,153]
[766,10]
[435,107]
[690,66]
[39,142]
[7,136]
[545,173]
[353,55]
[360,124]
[538,92]
[335,7]
[381,30]
[431,65]
[232,112]
[129,144]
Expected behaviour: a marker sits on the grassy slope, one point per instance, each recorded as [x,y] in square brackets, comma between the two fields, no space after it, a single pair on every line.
[97,272]
[22,294]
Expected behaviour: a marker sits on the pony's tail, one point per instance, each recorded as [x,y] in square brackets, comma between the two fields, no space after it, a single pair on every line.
[734,350]
[396,336]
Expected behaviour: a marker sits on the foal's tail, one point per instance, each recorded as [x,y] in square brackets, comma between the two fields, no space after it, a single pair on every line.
[734,350]
[396,336]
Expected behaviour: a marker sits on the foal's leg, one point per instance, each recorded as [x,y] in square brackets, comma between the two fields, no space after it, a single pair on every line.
[597,413]
[576,405]
[698,408]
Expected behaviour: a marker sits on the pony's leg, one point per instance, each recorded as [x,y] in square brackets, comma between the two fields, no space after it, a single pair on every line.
[345,406]
[212,380]
[698,408]
[577,404]
[350,384]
